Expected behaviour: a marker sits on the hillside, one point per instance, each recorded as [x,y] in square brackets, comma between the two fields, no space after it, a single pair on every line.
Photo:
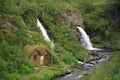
[19,34]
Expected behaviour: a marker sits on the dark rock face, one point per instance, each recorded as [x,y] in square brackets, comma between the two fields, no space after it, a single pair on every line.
[107,45]
[116,17]
[72,18]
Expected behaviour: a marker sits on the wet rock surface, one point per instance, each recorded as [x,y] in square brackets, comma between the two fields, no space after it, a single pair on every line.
[86,67]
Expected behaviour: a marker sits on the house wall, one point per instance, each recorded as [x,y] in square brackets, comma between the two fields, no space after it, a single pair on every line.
[47,57]
[40,59]
[35,58]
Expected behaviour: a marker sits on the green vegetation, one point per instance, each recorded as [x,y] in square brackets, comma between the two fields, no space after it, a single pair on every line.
[18,29]
[100,20]
[13,62]
[47,73]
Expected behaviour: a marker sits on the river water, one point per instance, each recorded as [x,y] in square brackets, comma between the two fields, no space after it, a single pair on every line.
[86,68]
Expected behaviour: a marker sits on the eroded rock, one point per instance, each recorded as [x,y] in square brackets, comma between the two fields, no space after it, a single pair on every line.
[72,18]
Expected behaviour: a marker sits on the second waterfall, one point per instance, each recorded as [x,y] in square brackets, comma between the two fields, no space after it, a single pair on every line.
[85,40]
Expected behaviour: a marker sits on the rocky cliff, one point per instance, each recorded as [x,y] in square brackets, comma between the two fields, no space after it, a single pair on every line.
[71,18]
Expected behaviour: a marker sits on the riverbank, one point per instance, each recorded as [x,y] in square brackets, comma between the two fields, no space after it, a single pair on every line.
[106,71]
[84,68]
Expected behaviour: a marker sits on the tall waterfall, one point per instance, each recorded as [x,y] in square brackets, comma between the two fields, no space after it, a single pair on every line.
[85,40]
[44,33]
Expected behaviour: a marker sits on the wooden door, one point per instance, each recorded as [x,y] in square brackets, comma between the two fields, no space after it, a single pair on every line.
[35,59]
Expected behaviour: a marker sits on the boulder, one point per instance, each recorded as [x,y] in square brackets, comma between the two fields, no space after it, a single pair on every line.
[90,57]
[5,25]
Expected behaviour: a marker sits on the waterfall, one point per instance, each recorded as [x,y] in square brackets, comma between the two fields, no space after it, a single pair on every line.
[44,33]
[85,40]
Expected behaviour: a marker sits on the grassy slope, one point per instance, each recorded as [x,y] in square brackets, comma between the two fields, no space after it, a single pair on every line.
[14,37]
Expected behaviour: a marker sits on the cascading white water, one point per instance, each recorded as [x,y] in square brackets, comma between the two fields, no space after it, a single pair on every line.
[44,33]
[85,40]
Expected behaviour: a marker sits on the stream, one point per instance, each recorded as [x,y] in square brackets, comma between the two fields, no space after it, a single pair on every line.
[86,68]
